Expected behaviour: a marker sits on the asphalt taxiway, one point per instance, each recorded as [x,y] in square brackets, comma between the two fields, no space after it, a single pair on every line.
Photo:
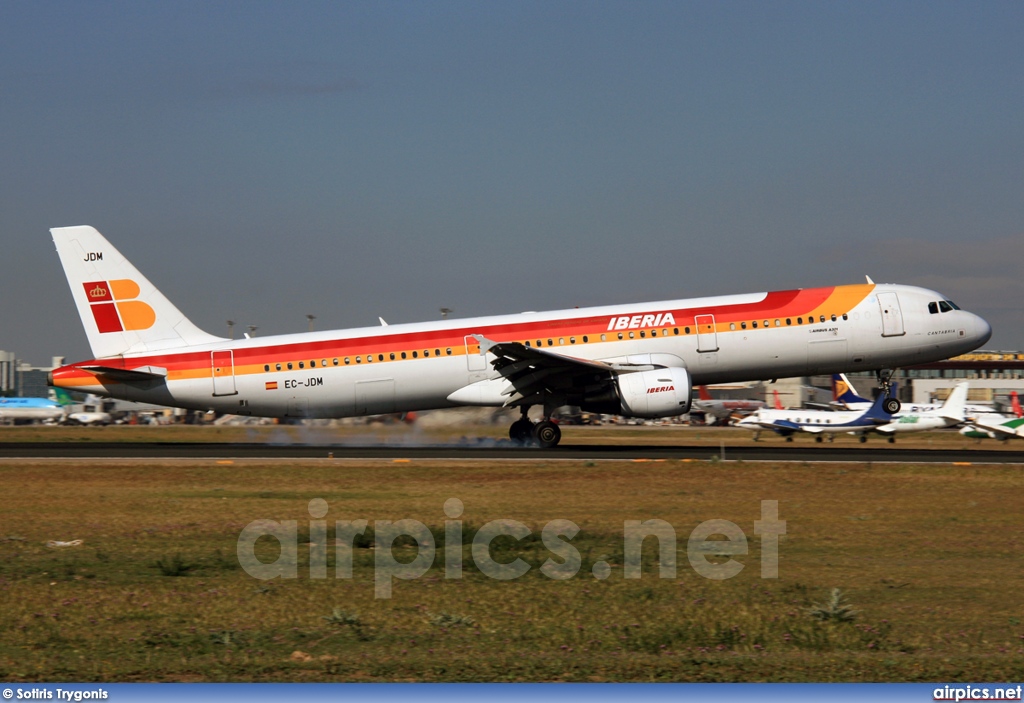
[503,451]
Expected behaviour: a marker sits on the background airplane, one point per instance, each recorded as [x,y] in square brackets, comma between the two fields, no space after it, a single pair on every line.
[950,414]
[17,410]
[986,429]
[818,422]
[846,397]
[723,409]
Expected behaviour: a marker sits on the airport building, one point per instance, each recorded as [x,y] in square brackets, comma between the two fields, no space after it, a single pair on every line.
[21,379]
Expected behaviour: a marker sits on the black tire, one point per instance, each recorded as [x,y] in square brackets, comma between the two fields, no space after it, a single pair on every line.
[892,406]
[863,438]
[819,439]
[521,431]
[547,434]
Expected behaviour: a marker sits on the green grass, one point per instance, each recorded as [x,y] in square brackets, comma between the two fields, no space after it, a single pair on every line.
[927,556]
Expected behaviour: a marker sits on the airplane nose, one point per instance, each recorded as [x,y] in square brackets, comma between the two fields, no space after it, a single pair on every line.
[982,330]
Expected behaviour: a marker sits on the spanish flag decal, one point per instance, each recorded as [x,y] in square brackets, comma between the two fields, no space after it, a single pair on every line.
[271,385]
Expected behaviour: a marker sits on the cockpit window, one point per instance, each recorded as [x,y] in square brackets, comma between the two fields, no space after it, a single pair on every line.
[944,306]
[953,305]
[933,308]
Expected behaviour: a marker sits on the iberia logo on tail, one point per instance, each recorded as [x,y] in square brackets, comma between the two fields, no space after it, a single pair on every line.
[115,308]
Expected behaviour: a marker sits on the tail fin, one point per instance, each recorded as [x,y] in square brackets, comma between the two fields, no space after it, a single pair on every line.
[702,393]
[953,408]
[1015,404]
[844,392]
[778,401]
[877,410]
[121,310]
[60,396]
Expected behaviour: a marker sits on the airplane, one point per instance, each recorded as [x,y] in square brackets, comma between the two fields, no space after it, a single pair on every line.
[638,360]
[821,423]
[30,410]
[846,397]
[722,409]
[984,429]
[950,414]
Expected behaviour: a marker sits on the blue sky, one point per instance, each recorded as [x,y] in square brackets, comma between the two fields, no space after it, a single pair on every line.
[263,161]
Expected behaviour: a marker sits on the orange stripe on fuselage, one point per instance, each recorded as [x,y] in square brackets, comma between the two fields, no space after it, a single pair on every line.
[190,365]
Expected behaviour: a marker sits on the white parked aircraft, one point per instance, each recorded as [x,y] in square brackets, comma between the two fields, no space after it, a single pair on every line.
[823,423]
[30,410]
[638,360]
[950,414]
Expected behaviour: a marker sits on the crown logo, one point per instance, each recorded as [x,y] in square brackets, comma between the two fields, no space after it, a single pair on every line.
[98,292]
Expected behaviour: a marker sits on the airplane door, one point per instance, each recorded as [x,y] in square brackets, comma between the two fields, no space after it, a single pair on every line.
[707,338]
[222,363]
[892,316]
[375,396]
[474,359]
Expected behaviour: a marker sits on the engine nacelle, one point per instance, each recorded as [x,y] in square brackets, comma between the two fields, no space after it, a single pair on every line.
[658,393]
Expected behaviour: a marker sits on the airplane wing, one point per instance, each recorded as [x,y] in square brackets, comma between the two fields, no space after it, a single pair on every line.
[999,430]
[532,371]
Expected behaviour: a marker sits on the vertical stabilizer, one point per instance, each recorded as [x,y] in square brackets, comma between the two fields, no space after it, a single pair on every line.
[122,312]
[953,408]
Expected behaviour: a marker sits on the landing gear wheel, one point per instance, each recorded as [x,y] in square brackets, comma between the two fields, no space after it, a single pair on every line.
[892,406]
[819,439]
[547,434]
[789,438]
[863,439]
[521,431]
[892,440]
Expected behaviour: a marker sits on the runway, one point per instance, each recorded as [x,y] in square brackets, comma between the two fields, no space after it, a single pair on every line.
[501,451]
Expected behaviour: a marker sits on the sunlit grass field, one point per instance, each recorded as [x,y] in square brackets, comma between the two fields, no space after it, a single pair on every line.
[928,557]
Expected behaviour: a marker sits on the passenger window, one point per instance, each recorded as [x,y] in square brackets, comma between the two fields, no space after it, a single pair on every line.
[527,342]
[743,325]
[347,361]
[403,355]
[944,306]
[585,340]
[369,358]
[686,330]
[302,364]
[277,366]
[380,357]
[604,338]
[799,320]
[766,323]
[778,323]
[632,335]
[289,366]
[266,367]
[335,361]
[572,340]
[426,352]
[550,343]
[833,318]
[392,356]
[323,362]
[437,352]
[415,355]
[732,325]
[448,351]
[643,334]
[312,364]
[845,316]
[789,321]
[620,335]
[561,341]
[654,333]
[754,324]
[822,318]
[664,333]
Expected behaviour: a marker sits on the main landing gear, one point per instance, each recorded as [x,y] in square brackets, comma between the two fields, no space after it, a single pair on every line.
[544,434]
[884,376]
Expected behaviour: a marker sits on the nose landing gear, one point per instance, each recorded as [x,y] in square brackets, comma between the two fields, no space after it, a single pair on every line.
[891,404]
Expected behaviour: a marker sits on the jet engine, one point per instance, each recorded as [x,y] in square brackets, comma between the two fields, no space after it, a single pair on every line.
[658,393]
